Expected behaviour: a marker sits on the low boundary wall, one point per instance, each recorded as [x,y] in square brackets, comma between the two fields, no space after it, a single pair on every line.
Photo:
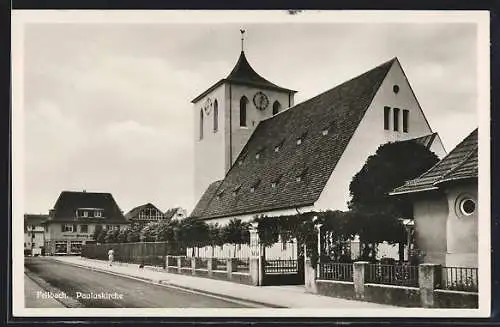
[426,295]
[173,265]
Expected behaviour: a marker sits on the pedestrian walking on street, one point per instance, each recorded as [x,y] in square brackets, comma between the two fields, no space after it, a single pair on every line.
[111,256]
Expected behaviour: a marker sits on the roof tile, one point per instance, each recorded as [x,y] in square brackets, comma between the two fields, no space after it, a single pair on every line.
[460,163]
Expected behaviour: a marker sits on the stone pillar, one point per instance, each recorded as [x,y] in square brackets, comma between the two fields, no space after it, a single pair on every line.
[358,277]
[166,262]
[229,268]
[255,265]
[179,265]
[209,266]
[309,274]
[193,266]
[429,276]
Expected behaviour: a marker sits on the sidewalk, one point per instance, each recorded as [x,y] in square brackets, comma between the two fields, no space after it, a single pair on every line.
[274,296]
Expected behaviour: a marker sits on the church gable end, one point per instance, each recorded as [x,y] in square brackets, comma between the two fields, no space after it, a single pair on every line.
[404,110]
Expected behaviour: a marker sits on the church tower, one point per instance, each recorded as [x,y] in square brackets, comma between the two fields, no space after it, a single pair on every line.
[226,115]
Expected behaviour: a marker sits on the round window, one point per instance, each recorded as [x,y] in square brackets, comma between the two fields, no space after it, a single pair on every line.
[467,206]
[395,88]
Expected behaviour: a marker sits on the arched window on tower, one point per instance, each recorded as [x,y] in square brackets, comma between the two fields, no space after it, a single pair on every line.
[216,116]
[276,107]
[243,111]
[201,124]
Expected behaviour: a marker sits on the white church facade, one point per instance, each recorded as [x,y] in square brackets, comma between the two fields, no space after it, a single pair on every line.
[258,153]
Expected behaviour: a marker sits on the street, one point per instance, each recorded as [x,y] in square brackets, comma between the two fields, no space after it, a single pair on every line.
[94,289]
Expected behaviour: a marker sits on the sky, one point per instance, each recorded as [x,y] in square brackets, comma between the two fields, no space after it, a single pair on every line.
[107,106]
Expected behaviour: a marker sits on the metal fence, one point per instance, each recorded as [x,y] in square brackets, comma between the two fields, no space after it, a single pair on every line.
[459,279]
[185,262]
[242,265]
[281,266]
[401,275]
[171,261]
[219,264]
[335,271]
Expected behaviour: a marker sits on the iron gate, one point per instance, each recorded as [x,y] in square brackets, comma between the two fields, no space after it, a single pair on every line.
[283,271]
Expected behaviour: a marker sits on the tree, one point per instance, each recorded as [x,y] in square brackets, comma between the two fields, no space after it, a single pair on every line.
[236,232]
[215,236]
[99,234]
[192,233]
[149,232]
[111,236]
[97,231]
[376,214]
[122,235]
[134,234]
[166,231]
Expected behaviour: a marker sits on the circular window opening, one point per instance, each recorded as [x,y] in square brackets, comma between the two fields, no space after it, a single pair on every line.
[467,206]
[395,88]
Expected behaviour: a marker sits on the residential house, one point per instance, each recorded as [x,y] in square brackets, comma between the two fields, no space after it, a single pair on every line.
[144,214]
[176,213]
[74,218]
[256,153]
[445,207]
[34,234]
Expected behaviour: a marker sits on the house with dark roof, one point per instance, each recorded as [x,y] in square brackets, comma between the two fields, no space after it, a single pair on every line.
[144,214]
[74,218]
[176,213]
[445,206]
[262,161]
[34,233]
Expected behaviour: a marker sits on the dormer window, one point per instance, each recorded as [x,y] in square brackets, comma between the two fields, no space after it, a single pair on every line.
[301,138]
[275,182]
[259,153]
[254,186]
[236,190]
[327,128]
[278,147]
[300,176]
[242,158]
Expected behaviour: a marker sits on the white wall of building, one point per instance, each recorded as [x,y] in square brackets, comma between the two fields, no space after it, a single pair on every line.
[250,217]
[370,134]
[209,152]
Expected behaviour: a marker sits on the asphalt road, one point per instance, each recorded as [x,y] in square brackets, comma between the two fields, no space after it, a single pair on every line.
[55,276]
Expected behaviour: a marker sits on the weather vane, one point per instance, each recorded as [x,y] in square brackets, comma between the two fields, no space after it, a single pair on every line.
[242,31]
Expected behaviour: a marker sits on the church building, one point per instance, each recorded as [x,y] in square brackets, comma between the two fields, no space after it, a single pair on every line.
[258,153]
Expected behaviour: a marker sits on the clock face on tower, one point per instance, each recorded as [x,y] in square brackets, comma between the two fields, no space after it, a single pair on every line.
[260,100]
[207,106]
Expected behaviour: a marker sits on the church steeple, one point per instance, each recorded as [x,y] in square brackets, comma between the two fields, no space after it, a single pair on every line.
[243,73]
[227,113]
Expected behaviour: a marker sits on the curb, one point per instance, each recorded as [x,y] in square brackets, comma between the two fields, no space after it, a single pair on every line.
[166,283]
